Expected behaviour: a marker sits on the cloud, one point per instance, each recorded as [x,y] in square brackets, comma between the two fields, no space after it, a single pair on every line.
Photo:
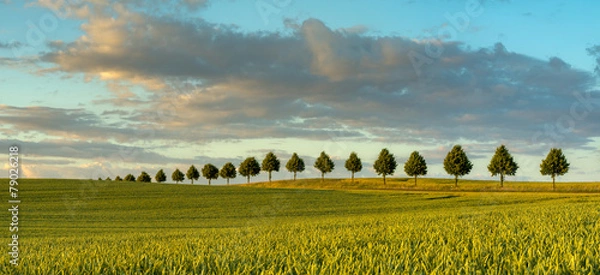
[207,81]
[10,45]
[595,52]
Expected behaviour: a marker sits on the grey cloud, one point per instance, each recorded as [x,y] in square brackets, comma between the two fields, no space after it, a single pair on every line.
[316,80]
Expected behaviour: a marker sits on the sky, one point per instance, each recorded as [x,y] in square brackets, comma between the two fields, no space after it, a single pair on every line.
[94,89]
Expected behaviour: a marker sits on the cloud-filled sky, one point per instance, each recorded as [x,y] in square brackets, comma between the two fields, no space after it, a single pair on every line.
[107,88]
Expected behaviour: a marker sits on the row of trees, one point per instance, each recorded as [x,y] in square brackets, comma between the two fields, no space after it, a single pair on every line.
[456,164]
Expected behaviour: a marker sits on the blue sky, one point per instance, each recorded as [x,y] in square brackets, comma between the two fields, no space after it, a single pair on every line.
[104,89]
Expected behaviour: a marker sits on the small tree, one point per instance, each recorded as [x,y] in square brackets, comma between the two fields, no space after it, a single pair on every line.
[228,172]
[177,176]
[160,176]
[457,163]
[144,177]
[415,166]
[502,164]
[99,178]
[385,164]
[353,164]
[108,179]
[249,168]
[210,172]
[295,165]
[270,164]
[118,178]
[324,164]
[129,177]
[192,173]
[554,165]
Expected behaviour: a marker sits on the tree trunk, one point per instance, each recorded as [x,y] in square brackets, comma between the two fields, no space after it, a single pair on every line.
[294,175]
[415,180]
[192,181]
[501,180]
[208,181]
[248,177]
[227,181]
[322,177]
[383,178]
[455,181]
[269,176]
[553,183]
[352,176]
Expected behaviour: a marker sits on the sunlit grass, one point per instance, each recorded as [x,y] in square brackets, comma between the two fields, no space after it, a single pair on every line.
[93,227]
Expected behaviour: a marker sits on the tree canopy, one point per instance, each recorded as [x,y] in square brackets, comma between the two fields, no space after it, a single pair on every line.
[554,165]
[415,166]
[295,165]
[385,164]
[228,172]
[210,172]
[270,164]
[192,173]
[457,163]
[502,164]
[324,164]
[353,164]
[177,176]
[249,168]
[144,177]
[160,176]
[129,177]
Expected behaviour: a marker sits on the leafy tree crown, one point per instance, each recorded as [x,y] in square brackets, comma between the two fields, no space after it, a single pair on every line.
[210,171]
[386,163]
[324,163]
[249,167]
[353,163]
[228,171]
[502,163]
[270,163]
[457,163]
[295,164]
[555,163]
[415,165]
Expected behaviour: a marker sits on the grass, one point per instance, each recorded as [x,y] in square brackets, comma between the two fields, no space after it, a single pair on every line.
[433,184]
[335,227]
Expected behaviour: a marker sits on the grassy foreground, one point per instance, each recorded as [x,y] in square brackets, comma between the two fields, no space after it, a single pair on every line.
[95,227]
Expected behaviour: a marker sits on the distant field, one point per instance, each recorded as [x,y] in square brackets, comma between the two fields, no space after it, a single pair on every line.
[99,227]
[429,184]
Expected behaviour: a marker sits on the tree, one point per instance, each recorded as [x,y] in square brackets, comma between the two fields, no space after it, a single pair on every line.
[385,164]
[228,172]
[270,164]
[129,177]
[457,163]
[210,172]
[99,178]
[177,176]
[295,165]
[554,165]
[502,164]
[324,164]
[144,177]
[415,166]
[108,179]
[192,173]
[160,176]
[249,168]
[118,178]
[353,164]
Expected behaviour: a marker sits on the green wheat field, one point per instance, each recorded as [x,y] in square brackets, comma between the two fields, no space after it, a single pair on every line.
[306,227]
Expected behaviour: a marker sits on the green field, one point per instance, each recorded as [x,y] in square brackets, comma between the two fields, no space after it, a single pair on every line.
[335,227]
